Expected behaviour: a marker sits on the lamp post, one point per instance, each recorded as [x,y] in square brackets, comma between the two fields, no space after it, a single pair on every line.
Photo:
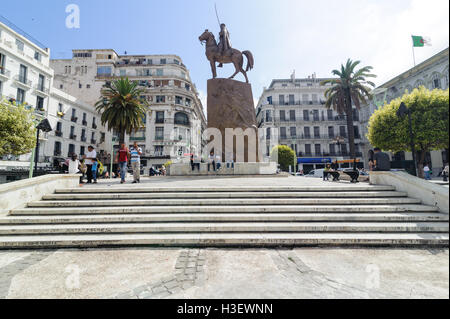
[45,127]
[339,140]
[401,113]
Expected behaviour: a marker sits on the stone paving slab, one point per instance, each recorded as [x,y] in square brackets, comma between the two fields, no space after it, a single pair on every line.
[146,273]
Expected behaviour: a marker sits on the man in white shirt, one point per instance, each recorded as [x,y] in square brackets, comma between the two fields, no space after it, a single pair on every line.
[88,160]
[136,153]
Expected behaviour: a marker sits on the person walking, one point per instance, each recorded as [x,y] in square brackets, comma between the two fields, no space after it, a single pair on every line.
[136,153]
[211,161]
[381,161]
[88,160]
[445,172]
[122,158]
[427,171]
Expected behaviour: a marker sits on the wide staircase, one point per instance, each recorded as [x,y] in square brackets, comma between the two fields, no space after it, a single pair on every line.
[264,216]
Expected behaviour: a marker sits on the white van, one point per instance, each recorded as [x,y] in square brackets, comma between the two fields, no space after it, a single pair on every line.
[317,173]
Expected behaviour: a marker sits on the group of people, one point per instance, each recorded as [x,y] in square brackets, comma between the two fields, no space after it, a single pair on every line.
[132,155]
[213,161]
[88,166]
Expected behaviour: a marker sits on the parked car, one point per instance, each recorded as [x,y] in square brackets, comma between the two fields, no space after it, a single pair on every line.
[317,173]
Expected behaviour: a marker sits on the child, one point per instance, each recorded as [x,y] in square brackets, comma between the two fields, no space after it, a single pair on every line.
[94,170]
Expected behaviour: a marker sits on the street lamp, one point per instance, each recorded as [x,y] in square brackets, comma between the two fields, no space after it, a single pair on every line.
[339,140]
[45,127]
[401,113]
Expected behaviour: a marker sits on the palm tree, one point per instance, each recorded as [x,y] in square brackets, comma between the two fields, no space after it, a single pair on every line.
[351,87]
[121,108]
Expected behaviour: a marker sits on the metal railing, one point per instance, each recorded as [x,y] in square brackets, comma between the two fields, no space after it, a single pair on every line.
[23,80]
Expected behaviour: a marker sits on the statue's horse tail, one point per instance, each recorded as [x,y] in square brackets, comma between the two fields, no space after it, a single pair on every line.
[251,61]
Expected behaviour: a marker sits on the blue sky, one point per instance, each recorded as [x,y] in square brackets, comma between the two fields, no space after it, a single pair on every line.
[308,36]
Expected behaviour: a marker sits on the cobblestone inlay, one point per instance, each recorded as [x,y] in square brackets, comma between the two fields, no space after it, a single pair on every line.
[189,272]
[8,272]
[293,268]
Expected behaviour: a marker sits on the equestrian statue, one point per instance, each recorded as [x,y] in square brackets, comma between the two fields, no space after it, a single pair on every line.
[223,53]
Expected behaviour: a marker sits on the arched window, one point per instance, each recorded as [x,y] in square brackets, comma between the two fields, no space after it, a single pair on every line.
[419,83]
[436,81]
[181,118]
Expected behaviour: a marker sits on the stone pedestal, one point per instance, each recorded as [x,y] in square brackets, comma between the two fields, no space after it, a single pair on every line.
[231,106]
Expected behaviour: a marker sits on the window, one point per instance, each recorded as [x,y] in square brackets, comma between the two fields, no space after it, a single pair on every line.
[104,71]
[71,150]
[308,149]
[176,61]
[60,108]
[123,72]
[160,99]
[23,72]
[305,98]
[163,61]
[160,72]
[268,133]
[1,88]
[2,63]
[159,133]
[88,86]
[187,87]
[20,45]
[293,131]
[37,56]
[292,115]
[316,132]
[178,100]
[355,115]
[343,131]
[61,86]
[57,150]
[181,118]
[436,83]
[40,103]
[159,150]
[59,127]
[305,115]
[83,135]
[159,117]
[318,149]
[330,115]
[291,99]
[41,83]
[188,102]
[20,96]
[82,150]
[281,99]
[307,132]
[332,149]
[282,115]
[316,115]
[269,100]
[283,132]
[331,132]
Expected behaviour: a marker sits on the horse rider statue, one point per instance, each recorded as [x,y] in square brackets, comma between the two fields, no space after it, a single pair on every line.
[224,42]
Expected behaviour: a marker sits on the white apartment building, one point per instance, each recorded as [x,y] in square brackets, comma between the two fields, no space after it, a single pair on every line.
[27,78]
[433,74]
[294,109]
[176,120]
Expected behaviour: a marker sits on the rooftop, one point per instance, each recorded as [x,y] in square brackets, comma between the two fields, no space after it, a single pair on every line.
[18,30]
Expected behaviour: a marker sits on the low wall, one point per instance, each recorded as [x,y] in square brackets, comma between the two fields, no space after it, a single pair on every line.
[239,169]
[428,193]
[17,194]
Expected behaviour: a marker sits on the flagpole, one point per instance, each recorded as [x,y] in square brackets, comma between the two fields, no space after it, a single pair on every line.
[414,55]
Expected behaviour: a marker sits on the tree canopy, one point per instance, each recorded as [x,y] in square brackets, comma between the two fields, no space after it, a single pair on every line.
[430,123]
[121,108]
[17,129]
[350,87]
[284,155]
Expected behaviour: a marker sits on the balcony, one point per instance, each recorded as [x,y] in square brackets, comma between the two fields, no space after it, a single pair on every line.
[159,121]
[42,89]
[94,126]
[159,138]
[83,139]
[85,123]
[4,74]
[74,119]
[58,133]
[23,82]
[73,137]
[93,142]
[57,153]
[137,138]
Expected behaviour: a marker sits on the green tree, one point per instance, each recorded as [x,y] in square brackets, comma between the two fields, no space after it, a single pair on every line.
[284,155]
[17,129]
[430,123]
[350,87]
[121,108]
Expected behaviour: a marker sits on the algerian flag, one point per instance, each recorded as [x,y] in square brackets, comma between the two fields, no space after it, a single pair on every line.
[419,41]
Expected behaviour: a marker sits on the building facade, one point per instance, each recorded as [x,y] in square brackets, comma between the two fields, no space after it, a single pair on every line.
[433,74]
[175,122]
[293,111]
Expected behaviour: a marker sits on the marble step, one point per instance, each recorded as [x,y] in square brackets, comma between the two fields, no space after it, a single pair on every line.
[232,217]
[138,189]
[223,227]
[106,196]
[223,209]
[226,240]
[225,202]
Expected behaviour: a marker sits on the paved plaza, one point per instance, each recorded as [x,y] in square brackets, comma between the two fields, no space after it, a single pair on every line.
[225,273]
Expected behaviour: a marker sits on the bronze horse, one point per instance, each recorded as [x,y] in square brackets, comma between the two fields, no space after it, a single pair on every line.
[232,56]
